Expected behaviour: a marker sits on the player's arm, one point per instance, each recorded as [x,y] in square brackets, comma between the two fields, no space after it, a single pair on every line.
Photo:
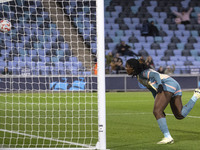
[156,76]
[153,74]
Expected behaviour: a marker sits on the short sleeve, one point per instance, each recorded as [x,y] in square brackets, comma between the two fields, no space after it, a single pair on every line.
[146,73]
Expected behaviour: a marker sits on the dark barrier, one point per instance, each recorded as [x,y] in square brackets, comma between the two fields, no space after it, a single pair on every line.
[113,83]
[48,83]
[127,83]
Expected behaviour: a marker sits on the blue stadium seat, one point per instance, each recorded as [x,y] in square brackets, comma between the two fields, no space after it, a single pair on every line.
[21,64]
[182,58]
[150,39]
[151,10]
[177,53]
[54,59]
[181,27]
[161,63]
[118,8]
[167,39]
[60,53]
[194,53]
[196,45]
[108,26]
[128,20]
[41,52]
[152,53]
[31,64]
[34,52]
[119,33]
[73,59]
[160,52]
[111,46]
[190,58]
[169,32]
[158,39]
[179,63]
[146,46]
[165,27]
[116,39]
[186,33]
[138,3]
[115,26]
[134,9]
[163,15]
[3,64]
[184,39]
[114,14]
[180,46]
[138,46]
[164,45]
[22,52]
[170,63]
[135,20]
[178,33]
[156,58]
[110,20]
[173,8]
[16,59]
[130,26]
[154,3]
[128,33]
[141,39]
[194,33]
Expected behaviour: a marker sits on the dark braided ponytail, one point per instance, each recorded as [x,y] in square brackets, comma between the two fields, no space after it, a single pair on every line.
[137,65]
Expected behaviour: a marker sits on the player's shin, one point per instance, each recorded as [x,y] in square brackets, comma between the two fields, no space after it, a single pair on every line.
[188,107]
[163,127]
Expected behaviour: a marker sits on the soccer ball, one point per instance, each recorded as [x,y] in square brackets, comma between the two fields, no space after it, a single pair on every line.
[5,25]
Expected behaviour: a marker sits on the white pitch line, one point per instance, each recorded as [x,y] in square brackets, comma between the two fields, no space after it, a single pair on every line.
[198,117]
[46,138]
[121,114]
[146,113]
[128,101]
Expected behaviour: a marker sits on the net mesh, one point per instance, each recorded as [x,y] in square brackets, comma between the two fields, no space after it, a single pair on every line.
[47,84]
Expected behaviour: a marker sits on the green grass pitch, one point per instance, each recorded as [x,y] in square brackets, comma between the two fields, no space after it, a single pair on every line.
[130,121]
[132,126]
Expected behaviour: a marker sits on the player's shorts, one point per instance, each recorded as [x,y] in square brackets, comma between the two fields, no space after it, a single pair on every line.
[172,86]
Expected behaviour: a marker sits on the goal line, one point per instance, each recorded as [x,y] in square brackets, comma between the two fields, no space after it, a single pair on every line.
[46,138]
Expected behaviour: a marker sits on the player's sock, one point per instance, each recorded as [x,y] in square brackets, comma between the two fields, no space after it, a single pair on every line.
[163,127]
[188,107]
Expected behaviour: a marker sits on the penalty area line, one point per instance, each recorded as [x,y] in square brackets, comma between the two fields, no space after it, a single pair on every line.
[146,113]
[46,138]
[188,116]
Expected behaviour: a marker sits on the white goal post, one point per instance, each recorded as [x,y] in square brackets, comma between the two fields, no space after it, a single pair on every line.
[52,75]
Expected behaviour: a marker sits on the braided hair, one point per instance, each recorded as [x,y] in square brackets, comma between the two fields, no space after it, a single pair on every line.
[137,65]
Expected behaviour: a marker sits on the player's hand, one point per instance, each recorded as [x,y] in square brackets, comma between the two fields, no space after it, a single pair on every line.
[160,88]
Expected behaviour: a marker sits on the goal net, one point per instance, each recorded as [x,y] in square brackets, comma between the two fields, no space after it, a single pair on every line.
[52,93]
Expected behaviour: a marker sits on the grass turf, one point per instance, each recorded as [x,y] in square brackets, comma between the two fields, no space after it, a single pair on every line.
[132,126]
[130,121]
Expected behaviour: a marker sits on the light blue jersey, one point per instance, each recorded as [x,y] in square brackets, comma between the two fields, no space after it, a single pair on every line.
[151,79]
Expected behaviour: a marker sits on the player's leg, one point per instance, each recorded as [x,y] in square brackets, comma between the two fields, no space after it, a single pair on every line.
[161,102]
[181,111]
[176,106]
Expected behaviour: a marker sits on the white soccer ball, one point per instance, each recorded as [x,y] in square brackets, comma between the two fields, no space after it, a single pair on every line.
[5,26]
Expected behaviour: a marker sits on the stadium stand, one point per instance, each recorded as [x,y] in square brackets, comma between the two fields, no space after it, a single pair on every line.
[123,21]
[175,40]
[36,42]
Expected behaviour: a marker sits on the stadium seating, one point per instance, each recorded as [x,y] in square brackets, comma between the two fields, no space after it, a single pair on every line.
[123,21]
[175,41]
[39,45]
